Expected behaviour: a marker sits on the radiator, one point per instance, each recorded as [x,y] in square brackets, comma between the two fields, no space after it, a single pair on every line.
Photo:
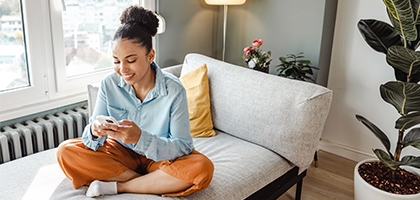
[32,136]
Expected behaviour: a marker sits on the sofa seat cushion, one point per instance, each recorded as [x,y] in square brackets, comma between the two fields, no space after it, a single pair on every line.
[240,168]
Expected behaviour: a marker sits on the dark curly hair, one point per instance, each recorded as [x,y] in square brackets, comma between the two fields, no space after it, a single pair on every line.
[138,24]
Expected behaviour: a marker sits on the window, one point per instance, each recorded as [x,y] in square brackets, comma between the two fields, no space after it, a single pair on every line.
[85,46]
[50,51]
[13,62]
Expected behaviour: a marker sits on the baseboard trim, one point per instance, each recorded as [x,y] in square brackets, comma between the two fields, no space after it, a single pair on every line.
[344,151]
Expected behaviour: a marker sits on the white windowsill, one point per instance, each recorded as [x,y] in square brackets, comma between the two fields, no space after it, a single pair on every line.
[43,106]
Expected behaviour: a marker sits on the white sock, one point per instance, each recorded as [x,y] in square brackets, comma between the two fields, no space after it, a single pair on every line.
[98,188]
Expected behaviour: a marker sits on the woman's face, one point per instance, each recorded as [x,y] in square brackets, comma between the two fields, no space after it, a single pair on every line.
[132,62]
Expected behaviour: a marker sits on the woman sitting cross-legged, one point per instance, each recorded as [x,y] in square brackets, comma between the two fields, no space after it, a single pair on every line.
[150,149]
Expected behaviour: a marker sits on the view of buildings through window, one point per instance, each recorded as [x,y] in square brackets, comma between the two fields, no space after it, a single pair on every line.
[88,27]
[13,65]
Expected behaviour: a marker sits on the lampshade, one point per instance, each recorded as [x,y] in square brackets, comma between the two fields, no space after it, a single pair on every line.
[225,2]
[162,24]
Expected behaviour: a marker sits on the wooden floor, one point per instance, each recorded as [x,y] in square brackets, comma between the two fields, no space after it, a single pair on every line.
[333,179]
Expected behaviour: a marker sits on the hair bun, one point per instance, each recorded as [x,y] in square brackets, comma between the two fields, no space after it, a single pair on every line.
[141,16]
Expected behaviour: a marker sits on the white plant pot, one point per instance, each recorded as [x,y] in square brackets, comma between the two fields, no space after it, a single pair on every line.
[252,63]
[363,190]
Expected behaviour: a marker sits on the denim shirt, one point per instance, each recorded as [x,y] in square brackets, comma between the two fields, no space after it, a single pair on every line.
[163,115]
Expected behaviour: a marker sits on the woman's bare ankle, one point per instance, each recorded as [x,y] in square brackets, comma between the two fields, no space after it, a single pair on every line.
[125,176]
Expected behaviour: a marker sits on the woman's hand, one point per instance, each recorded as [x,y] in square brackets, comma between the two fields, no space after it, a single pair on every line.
[127,131]
[98,130]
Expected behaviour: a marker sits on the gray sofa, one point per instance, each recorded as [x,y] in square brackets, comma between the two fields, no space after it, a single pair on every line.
[268,129]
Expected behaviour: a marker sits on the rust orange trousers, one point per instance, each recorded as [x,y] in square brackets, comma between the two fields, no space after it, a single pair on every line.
[83,165]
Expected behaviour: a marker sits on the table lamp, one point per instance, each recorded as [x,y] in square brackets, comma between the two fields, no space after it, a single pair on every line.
[225,3]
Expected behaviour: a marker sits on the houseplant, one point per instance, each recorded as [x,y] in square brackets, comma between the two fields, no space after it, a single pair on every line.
[296,67]
[398,42]
[256,58]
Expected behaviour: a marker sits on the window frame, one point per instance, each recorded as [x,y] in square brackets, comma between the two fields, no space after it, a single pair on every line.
[49,86]
[11,100]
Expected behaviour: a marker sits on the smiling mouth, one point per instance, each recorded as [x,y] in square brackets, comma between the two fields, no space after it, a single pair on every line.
[126,77]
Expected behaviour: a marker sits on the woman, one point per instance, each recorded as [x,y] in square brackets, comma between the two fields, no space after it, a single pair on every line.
[150,150]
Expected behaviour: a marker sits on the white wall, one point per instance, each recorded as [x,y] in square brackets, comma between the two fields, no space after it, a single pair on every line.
[356,72]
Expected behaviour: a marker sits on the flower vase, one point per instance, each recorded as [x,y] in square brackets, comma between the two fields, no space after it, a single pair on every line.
[261,69]
[252,64]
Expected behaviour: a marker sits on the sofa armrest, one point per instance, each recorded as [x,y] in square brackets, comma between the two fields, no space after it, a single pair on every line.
[284,115]
[174,70]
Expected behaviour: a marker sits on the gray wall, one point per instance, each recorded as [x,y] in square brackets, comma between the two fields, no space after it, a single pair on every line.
[286,26]
[191,26]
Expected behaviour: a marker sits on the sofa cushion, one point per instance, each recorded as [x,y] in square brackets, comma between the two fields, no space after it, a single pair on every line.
[284,115]
[174,70]
[92,95]
[197,86]
[240,169]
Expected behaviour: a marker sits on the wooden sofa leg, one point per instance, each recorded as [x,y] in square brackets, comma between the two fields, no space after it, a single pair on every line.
[316,158]
[298,189]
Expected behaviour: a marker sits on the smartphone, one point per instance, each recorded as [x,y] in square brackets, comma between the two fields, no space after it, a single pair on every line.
[106,119]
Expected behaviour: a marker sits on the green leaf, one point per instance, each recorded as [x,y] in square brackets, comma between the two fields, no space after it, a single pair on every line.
[415,4]
[404,59]
[402,17]
[386,159]
[412,138]
[411,161]
[408,121]
[406,159]
[282,59]
[305,62]
[379,35]
[288,72]
[378,132]
[306,68]
[404,96]
[291,56]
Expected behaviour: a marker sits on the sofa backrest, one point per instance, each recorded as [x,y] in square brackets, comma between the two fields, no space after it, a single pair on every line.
[284,115]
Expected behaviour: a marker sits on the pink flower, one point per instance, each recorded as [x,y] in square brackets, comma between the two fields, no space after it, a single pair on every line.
[257,43]
[247,49]
[255,58]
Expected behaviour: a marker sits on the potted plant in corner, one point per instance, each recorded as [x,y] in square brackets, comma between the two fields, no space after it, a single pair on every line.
[385,179]
[296,67]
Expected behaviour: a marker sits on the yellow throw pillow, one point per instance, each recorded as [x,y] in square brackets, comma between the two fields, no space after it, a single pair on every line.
[196,84]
